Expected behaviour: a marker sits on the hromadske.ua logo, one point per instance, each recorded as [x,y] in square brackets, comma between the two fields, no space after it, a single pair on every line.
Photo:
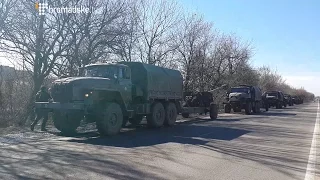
[44,8]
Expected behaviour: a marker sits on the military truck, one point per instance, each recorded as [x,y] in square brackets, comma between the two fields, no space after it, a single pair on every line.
[288,99]
[275,99]
[297,100]
[244,97]
[111,94]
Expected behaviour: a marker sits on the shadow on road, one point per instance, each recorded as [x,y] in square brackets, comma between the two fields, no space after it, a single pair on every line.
[267,141]
[183,134]
[278,114]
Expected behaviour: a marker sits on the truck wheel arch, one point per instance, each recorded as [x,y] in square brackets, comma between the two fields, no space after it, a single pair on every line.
[114,98]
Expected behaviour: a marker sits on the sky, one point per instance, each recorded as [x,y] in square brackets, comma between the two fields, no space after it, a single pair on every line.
[285,34]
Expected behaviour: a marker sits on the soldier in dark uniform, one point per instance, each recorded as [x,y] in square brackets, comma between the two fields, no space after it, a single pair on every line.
[42,96]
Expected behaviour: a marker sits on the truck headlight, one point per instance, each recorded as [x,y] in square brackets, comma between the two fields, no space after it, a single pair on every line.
[88,94]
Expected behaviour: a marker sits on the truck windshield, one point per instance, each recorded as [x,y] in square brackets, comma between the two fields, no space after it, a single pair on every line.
[243,90]
[101,71]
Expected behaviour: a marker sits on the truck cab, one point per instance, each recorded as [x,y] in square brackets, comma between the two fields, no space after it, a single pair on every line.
[244,97]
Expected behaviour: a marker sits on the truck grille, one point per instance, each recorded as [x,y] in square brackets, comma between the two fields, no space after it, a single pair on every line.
[61,93]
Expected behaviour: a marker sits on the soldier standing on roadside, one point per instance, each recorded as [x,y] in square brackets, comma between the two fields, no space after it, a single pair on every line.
[42,96]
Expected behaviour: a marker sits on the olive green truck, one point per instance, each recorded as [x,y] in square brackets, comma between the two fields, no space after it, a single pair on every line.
[111,94]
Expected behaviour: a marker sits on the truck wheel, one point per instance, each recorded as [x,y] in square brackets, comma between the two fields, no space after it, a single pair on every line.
[213,111]
[185,114]
[171,114]
[248,108]
[111,121]
[136,119]
[227,108]
[66,122]
[285,104]
[157,116]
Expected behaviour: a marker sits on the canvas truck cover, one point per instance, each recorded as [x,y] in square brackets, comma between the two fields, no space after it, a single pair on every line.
[156,82]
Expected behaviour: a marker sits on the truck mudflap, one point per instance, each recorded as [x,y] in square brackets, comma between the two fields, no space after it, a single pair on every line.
[58,105]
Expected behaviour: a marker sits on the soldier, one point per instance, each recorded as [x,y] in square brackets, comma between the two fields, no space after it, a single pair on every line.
[42,96]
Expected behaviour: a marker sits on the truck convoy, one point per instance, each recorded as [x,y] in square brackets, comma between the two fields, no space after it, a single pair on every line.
[244,97]
[111,94]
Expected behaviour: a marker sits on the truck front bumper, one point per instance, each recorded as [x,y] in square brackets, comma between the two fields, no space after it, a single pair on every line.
[59,106]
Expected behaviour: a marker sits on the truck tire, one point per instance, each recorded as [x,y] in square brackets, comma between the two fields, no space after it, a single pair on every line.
[157,116]
[136,119]
[227,108]
[171,114]
[66,122]
[285,104]
[213,111]
[248,108]
[185,114]
[111,121]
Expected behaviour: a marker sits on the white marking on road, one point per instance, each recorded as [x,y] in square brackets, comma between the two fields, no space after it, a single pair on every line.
[311,168]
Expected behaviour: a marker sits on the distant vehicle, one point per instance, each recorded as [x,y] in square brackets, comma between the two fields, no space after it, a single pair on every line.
[288,99]
[275,99]
[297,100]
[244,97]
[111,94]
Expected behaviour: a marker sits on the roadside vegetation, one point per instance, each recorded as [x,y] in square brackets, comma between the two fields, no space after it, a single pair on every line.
[43,48]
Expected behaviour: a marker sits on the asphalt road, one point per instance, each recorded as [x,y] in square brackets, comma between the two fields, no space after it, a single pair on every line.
[272,145]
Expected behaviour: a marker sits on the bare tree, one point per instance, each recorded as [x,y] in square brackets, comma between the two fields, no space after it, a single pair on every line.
[5,10]
[230,57]
[38,40]
[156,22]
[269,79]
[194,39]
[126,47]
[93,36]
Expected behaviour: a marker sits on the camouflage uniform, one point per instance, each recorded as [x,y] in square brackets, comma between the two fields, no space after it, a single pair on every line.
[42,96]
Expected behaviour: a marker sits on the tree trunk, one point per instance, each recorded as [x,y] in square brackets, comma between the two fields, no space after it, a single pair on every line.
[37,75]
